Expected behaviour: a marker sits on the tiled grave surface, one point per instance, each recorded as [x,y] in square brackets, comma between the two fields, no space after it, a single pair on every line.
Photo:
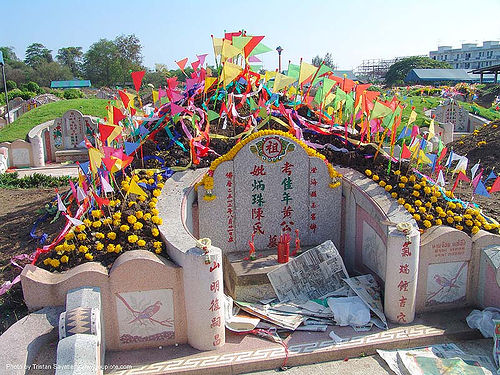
[245,353]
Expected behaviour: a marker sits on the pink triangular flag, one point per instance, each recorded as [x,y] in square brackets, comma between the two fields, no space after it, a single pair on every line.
[476,179]
[175,96]
[175,109]
[201,58]
[195,64]
[161,93]
[73,188]
[254,59]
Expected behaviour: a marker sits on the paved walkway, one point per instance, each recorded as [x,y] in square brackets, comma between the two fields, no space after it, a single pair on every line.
[374,364]
[55,170]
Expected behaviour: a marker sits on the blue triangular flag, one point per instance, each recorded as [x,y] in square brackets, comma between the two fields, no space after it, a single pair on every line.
[450,159]
[130,147]
[404,133]
[481,189]
[84,167]
[143,130]
[432,158]
[490,176]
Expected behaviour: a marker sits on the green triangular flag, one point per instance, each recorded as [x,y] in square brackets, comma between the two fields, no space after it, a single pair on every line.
[261,48]
[253,105]
[212,115]
[293,70]
[322,70]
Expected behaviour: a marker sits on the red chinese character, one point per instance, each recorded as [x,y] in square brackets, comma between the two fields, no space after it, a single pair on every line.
[313,194]
[257,228]
[313,216]
[257,213]
[258,171]
[405,251]
[313,181]
[404,268]
[229,211]
[214,287]
[229,183]
[214,305]
[403,285]
[273,241]
[215,322]
[314,169]
[313,227]
[272,147]
[230,239]
[401,317]
[214,266]
[287,211]
[217,340]
[229,174]
[313,205]
[286,168]
[285,227]
[402,301]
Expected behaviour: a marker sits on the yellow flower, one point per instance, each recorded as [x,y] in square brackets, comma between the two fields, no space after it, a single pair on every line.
[449,220]
[394,194]
[434,199]
[442,214]
[138,225]
[439,222]
[87,222]
[418,203]
[427,223]
[118,248]
[64,259]
[404,179]
[158,250]
[427,190]
[382,183]
[155,211]
[96,214]
[147,216]
[117,223]
[459,227]
[131,219]
[156,192]
[55,263]
[69,236]
[428,204]
[131,203]
[155,232]
[160,185]
[59,248]
[152,204]
[110,248]
[96,224]
[422,210]
[107,221]
[99,235]
[407,206]
[124,228]
[117,215]
[99,246]
[401,201]
[89,256]
[375,177]
[79,228]
[139,214]
[154,199]
[111,235]
[157,220]
[141,243]
[388,187]
[83,249]
[132,238]
[437,193]
[416,193]
[412,178]
[157,244]
[397,172]
[47,261]
[457,218]
[368,172]
[469,223]
[416,187]
[141,198]
[416,217]
[401,185]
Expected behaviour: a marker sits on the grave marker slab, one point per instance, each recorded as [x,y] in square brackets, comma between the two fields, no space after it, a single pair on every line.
[268,185]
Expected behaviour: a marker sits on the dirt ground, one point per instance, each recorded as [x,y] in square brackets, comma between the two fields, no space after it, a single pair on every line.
[18,212]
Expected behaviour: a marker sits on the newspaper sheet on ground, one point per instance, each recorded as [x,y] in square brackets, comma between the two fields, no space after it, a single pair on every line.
[368,290]
[313,274]
[436,359]
[284,320]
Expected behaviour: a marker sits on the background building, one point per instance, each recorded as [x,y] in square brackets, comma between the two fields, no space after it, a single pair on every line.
[470,56]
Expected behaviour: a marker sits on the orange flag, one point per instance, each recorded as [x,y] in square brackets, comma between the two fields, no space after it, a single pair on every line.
[182,63]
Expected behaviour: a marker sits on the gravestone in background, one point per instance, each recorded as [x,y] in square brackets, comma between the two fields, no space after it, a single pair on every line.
[272,186]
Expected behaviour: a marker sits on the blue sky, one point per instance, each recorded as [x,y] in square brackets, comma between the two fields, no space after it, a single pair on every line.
[351,30]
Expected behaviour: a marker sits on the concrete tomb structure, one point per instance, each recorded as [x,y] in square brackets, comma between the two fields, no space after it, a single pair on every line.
[269,185]
[57,140]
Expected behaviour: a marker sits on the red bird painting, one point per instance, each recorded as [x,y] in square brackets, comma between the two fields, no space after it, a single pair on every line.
[147,313]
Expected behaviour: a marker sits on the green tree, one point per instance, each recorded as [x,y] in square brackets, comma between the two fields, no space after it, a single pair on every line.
[50,71]
[398,71]
[101,63]
[130,58]
[8,54]
[37,54]
[72,58]
[327,59]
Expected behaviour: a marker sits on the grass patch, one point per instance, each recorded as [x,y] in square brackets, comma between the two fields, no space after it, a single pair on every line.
[36,180]
[419,102]
[20,128]
[488,113]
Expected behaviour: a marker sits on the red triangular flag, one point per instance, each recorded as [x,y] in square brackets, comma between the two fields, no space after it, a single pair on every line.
[495,186]
[133,111]
[405,153]
[137,78]
[126,160]
[105,131]
[124,97]
[461,177]
[182,63]
[195,64]
[117,115]
[252,44]
[108,163]
[100,201]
